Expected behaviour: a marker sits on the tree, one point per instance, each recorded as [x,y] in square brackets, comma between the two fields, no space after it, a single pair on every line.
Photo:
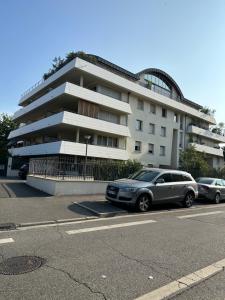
[6,125]
[206,110]
[194,162]
[219,129]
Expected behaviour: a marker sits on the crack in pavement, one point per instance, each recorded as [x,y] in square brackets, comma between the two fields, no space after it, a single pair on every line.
[138,261]
[204,222]
[56,229]
[195,284]
[78,281]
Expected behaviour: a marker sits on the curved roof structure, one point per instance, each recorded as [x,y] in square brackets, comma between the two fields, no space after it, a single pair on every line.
[165,77]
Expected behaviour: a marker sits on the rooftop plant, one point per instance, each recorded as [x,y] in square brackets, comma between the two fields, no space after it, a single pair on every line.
[206,110]
[58,62]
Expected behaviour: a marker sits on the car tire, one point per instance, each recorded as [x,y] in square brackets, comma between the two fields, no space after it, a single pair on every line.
[188,200]
[143,203]
[217,198]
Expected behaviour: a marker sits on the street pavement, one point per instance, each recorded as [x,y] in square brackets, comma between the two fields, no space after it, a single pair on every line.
[123,257]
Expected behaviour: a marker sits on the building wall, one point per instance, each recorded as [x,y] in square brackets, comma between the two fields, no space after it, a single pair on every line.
[145,137]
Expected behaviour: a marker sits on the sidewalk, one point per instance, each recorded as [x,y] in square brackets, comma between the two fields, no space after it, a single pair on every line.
[44,209]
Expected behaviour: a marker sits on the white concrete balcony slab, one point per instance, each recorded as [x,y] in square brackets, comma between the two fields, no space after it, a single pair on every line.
[72,119]
[207,149]
[206,133]
[78,93]
[70,148]
[119,81]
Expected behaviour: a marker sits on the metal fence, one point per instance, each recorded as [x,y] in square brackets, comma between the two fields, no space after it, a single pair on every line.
[64,169]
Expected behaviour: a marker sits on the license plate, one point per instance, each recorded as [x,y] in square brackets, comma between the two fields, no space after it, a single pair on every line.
[112,192]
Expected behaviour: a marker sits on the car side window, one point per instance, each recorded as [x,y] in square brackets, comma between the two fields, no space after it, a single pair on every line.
[219,182]
[186,178]
[223,182]
[166,177]
[177,177]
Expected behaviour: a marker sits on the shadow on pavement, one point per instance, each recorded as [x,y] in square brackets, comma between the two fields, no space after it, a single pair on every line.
[21,190]
[79,210]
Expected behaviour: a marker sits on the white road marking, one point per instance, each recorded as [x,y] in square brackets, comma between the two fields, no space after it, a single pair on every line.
[5,241]
[131,215]
[107,227]
[184,282]
[202,214]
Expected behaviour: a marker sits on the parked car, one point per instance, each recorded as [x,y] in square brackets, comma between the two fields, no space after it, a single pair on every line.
[211,188]
[151,185]
[23,171]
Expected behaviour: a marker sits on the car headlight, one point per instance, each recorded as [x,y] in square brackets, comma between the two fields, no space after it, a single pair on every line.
[131,190]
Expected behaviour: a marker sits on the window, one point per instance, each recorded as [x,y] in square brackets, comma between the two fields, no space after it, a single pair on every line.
[151,148]
[175,118]
[166,177]
[107,141]
[152,108]
[162,150]
[177,177]
[186,178]
[151,128]
[219,182]
[137,146]
[108,116]
[140,104]
[181,140]
[145,175]
[163,131]
[164,113]
[109,92]
[139,125]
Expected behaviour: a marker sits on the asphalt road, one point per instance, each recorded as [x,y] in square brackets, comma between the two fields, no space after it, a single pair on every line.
[121,258]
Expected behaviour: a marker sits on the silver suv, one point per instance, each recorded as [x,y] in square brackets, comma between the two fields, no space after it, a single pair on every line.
[153,186]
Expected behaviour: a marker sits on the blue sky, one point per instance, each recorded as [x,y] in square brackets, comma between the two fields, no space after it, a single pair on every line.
[185,38]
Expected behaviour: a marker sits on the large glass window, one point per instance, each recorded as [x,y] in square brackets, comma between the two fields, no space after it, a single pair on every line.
[157,85]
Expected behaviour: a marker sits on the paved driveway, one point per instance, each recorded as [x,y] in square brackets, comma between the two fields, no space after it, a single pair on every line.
[18,188]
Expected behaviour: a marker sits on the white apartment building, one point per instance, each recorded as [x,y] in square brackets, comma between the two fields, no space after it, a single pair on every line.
[142,116]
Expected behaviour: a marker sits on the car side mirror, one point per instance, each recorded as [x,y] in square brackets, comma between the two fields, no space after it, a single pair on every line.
[160,181]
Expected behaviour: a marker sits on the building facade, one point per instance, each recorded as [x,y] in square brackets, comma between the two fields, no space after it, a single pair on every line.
[121,115]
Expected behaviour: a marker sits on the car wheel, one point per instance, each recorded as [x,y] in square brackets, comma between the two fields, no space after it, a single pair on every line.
[188,200]
[143,203]
[217,198]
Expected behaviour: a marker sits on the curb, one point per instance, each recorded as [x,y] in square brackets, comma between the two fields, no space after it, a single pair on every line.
[99,214]
[60,221]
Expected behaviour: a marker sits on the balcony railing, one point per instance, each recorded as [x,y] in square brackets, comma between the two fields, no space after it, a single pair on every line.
[206,133]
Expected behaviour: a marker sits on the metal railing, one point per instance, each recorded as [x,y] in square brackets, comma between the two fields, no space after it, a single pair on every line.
[66,169]
[31,88]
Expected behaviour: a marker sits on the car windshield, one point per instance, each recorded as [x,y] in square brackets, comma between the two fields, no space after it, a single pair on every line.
[205,180]
[145,175]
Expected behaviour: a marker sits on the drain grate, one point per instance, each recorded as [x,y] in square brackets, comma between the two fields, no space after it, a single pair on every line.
[7,226]
[21,265]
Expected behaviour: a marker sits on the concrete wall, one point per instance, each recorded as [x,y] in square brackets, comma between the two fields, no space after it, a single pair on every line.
[10,172]
[145,137]
[64,187]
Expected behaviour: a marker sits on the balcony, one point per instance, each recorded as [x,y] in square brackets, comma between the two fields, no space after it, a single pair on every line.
[207,149]
[71,119]
[206,133]
[58,95]
[70,148]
